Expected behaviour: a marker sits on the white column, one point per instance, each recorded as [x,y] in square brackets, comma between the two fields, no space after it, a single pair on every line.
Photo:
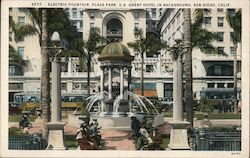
[110,83]
[177,90]
[121,83]
[69,66]
[178,135]
[56,91]
[102,81]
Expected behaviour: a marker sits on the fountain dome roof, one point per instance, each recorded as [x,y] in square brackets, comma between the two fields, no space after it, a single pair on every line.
[115,51]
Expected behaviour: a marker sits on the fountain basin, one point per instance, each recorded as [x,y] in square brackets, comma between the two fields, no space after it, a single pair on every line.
[120,122]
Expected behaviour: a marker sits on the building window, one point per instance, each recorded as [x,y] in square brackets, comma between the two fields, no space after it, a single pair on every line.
[173,24]
[15,70]
[153,13]
[67,13]
[154,24]
[232,50]
[231,36]
[220,10]
[21,20]
[232,12]
[10,36]
[220,85]
[136,26]
[21,39]
[74,15]
[147,15]
[20,51]
[81,24]
[230,85]
[220,70]
[16,86]
[92,25]
[74,9]
[168,92]
[220,36]
[160,13]
[149,68]
[210,85]
[217,70]
[10,18]
[81,14]
[207,21]
[92,15]
[10,9]
[137,15]
[64,86]
[221,50]
[21,9]
[178,19]
[169,41]
[173,36]
[220,21]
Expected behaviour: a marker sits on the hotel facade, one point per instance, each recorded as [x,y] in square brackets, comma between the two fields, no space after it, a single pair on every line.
[211,73]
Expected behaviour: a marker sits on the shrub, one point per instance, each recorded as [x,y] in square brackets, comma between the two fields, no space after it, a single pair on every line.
[15,132]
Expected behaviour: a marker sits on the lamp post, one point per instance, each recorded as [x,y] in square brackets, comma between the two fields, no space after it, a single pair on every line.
[55,126]
[178,136]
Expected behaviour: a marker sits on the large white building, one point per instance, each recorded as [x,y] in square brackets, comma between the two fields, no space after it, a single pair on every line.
[211,72]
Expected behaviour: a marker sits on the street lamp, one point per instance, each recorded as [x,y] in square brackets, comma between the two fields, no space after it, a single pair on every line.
[178,136]
[55,126]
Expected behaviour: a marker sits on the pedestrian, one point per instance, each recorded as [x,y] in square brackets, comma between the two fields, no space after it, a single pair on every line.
[83,138]
[135,126]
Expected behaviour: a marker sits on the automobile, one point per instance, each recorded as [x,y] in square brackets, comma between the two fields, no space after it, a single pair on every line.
[14,109]
[167,104]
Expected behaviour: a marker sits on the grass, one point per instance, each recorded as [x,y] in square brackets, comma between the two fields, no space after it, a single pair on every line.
[212,116]
[16,133]
[17,118]
[165,141]
[71,142]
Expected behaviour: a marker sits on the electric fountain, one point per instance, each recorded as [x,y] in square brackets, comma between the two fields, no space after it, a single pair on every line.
[115,103]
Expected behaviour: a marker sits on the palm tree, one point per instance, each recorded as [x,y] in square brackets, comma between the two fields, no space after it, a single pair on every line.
[139,47]
[188,66]
[195,36]
[45,88]
[90,47]
[43,23]
[150,45]
[234,20]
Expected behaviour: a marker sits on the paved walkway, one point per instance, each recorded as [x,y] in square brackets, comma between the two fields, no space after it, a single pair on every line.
[119,139]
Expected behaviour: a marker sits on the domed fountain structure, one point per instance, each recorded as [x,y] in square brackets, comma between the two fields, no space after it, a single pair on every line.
[115,103]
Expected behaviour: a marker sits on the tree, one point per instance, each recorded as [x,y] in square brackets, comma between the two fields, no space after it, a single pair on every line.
[234,20]
[90,47]
[151,44]
[195,36]
[45,88]
[188,66]
[43,23]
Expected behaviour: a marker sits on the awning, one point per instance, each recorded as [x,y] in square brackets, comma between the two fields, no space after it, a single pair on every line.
[147,93]
[149,89]
[222,90]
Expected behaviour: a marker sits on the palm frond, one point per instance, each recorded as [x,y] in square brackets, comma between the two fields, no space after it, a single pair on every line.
[199,16]
[14,57]
[234,20]
[24,30]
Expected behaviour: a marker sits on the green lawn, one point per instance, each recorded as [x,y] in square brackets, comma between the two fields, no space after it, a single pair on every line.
[17,118]
[165,141]
[212,116]
[71,142]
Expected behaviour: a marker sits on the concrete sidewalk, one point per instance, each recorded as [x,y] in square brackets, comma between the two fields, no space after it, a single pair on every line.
[119,139]
[218,122]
